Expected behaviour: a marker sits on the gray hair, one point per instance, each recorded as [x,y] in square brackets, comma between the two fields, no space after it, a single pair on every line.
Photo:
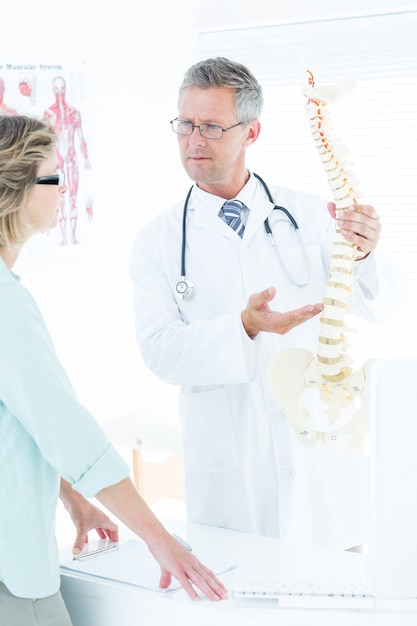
[221,72]
[24,143]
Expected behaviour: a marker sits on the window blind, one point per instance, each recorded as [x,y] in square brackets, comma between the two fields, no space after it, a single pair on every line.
[377,122]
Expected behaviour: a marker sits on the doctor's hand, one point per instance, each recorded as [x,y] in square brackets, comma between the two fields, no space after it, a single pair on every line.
[360,225]
[85,517]
[258,316]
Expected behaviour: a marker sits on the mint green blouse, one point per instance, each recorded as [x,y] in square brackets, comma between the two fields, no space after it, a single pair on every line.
[45,433]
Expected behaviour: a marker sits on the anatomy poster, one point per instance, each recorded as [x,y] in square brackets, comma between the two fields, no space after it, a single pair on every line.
[56,91]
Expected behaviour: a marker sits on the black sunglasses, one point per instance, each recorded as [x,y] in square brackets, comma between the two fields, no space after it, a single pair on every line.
[55,179]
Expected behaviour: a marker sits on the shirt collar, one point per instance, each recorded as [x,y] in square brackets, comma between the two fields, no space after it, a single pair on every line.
[215,203]
[6,272]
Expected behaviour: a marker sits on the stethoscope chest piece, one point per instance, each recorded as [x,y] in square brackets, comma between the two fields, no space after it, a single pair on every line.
[184,289]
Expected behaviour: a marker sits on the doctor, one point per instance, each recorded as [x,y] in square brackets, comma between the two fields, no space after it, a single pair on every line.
[214,304]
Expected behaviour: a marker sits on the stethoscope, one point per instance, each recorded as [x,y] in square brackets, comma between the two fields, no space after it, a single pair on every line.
[185,289]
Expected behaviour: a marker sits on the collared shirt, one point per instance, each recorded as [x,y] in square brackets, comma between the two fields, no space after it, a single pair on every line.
[214,203]
[45,433]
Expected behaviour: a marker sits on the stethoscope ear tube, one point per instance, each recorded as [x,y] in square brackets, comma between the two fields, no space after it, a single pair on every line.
[184,237]
[280,208]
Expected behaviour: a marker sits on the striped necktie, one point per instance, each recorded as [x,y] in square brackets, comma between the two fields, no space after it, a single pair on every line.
[231,214]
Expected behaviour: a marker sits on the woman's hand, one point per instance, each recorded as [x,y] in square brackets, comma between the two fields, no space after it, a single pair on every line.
[86,517]
[174,560]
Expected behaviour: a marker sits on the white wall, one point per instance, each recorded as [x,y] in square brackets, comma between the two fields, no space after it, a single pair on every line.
[218,13]
[134,63]
[135,60]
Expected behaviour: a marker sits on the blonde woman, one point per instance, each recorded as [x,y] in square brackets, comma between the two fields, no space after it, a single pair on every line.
[41,418]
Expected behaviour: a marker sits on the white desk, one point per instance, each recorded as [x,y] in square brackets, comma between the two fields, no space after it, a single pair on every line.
[97,602]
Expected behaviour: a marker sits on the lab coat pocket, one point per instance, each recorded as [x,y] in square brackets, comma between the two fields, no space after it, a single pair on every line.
[208,432]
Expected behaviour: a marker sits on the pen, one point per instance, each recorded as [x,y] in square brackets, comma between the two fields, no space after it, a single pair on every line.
[86,555]
[182,542]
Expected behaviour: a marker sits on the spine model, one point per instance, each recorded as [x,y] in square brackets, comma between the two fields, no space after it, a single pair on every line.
[331,353]
[343,423]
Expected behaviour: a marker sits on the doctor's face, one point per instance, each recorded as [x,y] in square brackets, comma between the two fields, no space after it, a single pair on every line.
[214,163]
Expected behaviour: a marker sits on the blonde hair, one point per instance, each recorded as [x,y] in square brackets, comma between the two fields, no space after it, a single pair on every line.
[24,143]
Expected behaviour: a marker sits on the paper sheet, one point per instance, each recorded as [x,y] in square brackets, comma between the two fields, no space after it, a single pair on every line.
[132,564]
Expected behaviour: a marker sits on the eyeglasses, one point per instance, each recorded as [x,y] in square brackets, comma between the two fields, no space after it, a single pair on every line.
[55,179]
[209,131]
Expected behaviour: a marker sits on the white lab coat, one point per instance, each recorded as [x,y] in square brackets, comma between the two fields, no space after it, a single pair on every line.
[244,468]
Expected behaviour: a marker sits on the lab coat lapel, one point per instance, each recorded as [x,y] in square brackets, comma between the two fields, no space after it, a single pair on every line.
[261,209]
[206,218]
